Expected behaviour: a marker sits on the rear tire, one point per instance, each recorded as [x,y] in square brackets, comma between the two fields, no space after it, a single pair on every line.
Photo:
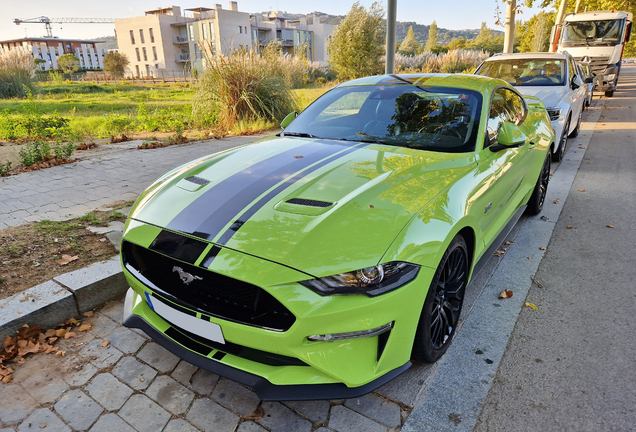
[443,304]
[609,93]
[535,204]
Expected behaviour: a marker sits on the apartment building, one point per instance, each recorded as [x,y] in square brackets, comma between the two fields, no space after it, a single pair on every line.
[50,49]
[166,41]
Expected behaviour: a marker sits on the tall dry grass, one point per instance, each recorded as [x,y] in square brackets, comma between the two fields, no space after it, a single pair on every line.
[455,61]
[16,73]
[246,86]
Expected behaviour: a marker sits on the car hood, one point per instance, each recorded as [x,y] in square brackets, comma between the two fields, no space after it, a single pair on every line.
[318,206]
[550,95]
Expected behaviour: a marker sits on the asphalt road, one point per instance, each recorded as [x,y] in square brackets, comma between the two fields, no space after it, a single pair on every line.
[571,364]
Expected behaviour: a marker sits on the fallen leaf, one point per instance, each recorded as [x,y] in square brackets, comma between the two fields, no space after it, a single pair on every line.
[70,335]
[49,333]
[7,379]
[105,343]
[142,379]
[43,425]
[556,201]
[505,294]
[541,248]
[529,257]
[66,259]
[508,243]
[384,403]
[569,227]
[61,353]
[60,332]
[581,190]
[533,306]
[88,314]
[610,226]
[85,327]
[499,253]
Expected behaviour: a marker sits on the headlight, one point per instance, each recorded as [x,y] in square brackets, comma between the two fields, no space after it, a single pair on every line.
[609,77]
[554,112]
[370,281]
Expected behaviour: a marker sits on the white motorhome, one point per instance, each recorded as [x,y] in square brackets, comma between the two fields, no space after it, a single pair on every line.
[601,37]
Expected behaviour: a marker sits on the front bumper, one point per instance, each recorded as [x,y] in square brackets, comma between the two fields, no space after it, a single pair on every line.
[135,308]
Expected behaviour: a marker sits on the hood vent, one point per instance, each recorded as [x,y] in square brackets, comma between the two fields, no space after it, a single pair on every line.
[309,203]
[198,180]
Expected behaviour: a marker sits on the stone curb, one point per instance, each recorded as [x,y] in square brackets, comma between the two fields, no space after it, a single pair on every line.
[63,297]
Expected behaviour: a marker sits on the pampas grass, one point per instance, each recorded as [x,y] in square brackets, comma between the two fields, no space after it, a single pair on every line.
[16,73]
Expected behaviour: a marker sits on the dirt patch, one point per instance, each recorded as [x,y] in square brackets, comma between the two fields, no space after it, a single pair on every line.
[28,253]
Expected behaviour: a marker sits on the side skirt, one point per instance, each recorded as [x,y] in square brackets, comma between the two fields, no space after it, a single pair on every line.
[500,238]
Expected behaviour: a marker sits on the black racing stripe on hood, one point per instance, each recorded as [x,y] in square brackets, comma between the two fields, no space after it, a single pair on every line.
[227,235]
[178,246]
[214,209]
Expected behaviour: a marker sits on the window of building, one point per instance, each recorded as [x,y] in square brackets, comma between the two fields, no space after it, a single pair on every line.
[240,29]
[141,36]
[138,56]
[191,31]
[132,37]
[148,74]
[204,31]
[137,69]
[212,31]
[145,55]
[152,36]
[154,52]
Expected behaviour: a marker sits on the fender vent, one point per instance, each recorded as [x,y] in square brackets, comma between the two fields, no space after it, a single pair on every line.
[309,203]
[198,180]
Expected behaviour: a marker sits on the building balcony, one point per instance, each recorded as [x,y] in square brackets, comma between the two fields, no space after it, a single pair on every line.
[286,42]
[181,58]
[177,40]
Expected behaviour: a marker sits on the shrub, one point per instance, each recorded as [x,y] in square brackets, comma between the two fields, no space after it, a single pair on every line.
[242,86]
[68,63]
[5,168]
[454,61]
[16,73]
[115,63]
[64,151]
[33,152]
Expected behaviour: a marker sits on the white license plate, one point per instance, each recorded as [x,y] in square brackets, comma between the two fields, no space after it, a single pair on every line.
[198,326]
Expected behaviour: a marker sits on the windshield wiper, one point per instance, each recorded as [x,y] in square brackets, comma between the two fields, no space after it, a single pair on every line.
[299,134]
[363,140]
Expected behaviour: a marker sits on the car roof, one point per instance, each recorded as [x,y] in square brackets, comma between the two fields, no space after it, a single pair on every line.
[529,55]
[465,81]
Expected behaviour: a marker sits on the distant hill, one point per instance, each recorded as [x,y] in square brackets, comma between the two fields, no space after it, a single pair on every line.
[444,36]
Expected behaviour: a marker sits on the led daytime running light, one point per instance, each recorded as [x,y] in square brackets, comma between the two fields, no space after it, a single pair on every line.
[352,335]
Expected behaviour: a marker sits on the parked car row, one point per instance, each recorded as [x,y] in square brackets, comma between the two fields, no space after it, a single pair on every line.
[564,86]
[317,263]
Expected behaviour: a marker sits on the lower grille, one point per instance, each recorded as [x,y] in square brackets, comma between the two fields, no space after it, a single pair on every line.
[205,291]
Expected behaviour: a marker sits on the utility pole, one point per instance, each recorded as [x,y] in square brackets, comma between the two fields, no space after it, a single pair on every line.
[391,13]
[558,24]
[509,35]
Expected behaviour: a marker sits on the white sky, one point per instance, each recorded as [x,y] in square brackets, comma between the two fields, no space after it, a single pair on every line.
[471,13]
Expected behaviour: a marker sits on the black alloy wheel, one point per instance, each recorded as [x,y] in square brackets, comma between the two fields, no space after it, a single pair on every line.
[443,304]
[535,204]
[557,156]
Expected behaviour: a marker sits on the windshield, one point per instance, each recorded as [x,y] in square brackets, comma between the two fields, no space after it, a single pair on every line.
[526,72]
[427,118]
[606,32]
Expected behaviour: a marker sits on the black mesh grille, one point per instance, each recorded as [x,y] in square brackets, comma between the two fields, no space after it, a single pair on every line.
[309,203]
[206,291]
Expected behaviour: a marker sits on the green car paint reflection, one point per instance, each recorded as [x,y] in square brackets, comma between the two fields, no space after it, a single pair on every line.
[329,256]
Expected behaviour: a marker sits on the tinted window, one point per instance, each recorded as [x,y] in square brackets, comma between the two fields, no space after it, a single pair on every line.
[526,72]
[427,118]
[592,32]
[506,106]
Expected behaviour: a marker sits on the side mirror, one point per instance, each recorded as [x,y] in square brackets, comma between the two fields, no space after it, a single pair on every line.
[509,136]
[589,80]
[288,119]
[576,82]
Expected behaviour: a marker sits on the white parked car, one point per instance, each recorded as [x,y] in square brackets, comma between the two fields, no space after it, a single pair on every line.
[552,77]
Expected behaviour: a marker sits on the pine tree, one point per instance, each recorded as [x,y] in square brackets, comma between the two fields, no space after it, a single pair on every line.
[431,42]
[409,47]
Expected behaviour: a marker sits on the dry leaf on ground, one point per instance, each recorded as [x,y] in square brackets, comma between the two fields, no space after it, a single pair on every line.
[531,305]
[499,253]
[66,259]
[85,327]
[541,248]
[610,226]
[88,314]
[505,294]
[569,227]
[105,343]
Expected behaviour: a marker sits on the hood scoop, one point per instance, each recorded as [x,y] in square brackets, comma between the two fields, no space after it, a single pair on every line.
[304,206]
[193,183]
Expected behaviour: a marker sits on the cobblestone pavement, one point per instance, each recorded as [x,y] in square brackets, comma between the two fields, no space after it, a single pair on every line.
[118,173]
[134,384]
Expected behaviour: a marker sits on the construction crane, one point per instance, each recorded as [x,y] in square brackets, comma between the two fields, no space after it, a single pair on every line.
[47,22]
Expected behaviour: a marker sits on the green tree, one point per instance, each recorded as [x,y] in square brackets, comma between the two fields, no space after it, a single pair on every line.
[115,63]
[68,63]
[457,44]
[486,41]
[357,43]
[534,34]
[409,47]
[431,42]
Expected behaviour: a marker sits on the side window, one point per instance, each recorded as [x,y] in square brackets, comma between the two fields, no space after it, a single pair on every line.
[572,69]
[506,106]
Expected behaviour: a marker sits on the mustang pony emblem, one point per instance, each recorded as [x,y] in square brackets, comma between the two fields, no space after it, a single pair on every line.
[185,276]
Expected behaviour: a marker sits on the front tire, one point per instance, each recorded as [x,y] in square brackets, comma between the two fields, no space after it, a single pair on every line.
[443,304]
[563,141]
[535,204]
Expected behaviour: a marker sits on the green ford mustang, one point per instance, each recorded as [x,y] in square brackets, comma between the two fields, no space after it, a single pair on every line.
[317,263]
